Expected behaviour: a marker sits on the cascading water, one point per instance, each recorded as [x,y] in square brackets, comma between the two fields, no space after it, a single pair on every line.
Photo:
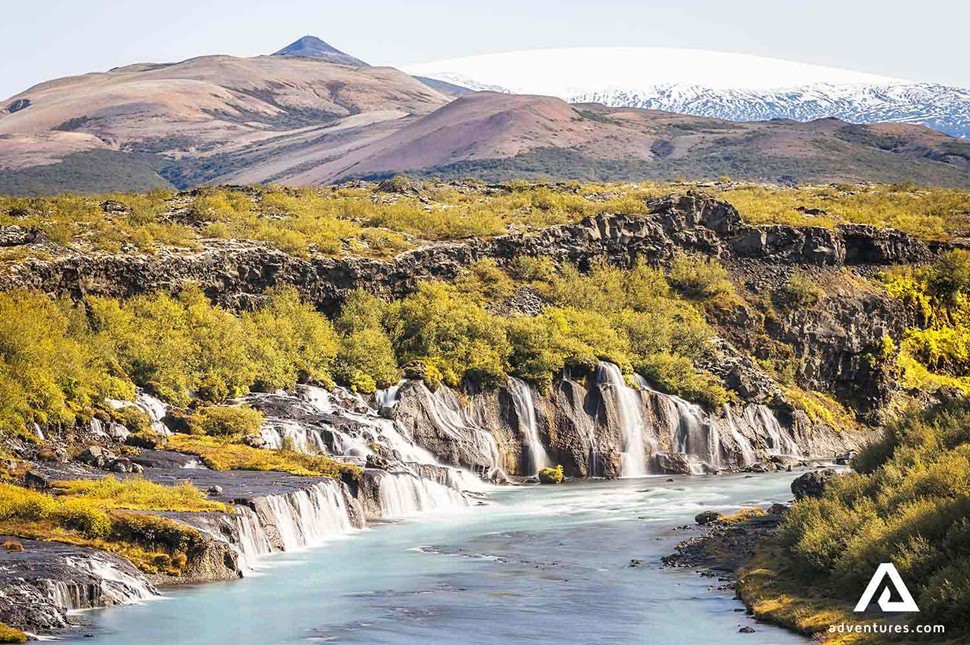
[308,517]
[779,441]
[696,436]
[252,542]
[630,418]
[117,584]
[744,445]
[445,412]
[288,521]
[155,408]
[403,494]
[535,454]
[280,433]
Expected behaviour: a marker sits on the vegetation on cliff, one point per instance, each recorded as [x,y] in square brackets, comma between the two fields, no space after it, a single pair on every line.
[935,350]
[398,214]
[908,499]
[59,359]
[92,513]
[10,634]
[226,454]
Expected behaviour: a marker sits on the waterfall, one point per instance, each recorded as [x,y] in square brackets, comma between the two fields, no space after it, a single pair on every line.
[744,445]
[277,433]
[630,418]
[307,517]
[251,542]
[386,399]
[695,434]
[403,494]
[155,408]
[779,441]
[116,583]
[535,455]
[445,412]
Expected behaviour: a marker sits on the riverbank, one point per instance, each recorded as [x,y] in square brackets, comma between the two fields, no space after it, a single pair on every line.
[539,564]
[741,550]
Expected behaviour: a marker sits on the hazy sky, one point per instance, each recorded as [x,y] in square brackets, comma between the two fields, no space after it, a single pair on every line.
[44,39]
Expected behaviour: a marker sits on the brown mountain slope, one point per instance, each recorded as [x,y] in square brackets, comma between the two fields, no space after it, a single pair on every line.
[500,136]
[296,120]
[203,110]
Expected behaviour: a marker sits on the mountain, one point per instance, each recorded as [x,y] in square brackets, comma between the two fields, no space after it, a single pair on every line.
[736,87]
[190,122]
[501,136]
[303,120]
[313,47]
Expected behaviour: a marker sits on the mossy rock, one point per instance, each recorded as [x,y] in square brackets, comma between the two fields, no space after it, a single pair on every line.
[551,475]
[10,634]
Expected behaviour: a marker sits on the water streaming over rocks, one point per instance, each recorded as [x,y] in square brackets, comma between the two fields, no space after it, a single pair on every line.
[421,451]
[534,454]
[630,417]
[403,494]
[40,584]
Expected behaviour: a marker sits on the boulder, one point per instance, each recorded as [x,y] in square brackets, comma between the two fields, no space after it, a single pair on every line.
[255,441]
[845,458]
[811,484]
[706,517]
[14,235]
[118,432]
[674,463]
[36,480]
[148,440]
[124,465]
[96,456]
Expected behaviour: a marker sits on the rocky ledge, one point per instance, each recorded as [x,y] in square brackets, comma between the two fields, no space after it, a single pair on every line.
[833,344]
[41,581]
[233,272]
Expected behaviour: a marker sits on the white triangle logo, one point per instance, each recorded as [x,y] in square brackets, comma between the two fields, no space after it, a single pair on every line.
[906,602]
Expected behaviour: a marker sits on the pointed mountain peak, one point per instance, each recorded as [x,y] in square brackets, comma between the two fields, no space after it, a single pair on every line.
[313,47]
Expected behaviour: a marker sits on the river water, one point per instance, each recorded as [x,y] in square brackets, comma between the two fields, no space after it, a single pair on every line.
[541,564]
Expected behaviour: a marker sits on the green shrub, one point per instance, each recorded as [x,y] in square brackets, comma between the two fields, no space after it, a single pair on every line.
[366,361]
[699,278]
[552,475]
[136,493]
[907,504]
[51,371]
[133,418]
[176,346]
[85,517]
[359,311]
[485,282]
[227,421]
[290,342]
[676,374]
[10,634]
[799,291]
[444,328]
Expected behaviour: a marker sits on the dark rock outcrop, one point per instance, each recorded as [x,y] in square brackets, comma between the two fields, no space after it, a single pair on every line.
[234,272]
[811,484]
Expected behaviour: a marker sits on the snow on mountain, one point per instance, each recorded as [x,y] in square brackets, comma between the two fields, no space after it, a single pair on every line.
[738,87]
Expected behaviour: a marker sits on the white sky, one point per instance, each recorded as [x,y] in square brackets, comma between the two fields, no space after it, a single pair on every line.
[44,39]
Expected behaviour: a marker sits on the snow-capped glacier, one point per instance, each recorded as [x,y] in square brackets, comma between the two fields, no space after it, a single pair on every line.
[737,87]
